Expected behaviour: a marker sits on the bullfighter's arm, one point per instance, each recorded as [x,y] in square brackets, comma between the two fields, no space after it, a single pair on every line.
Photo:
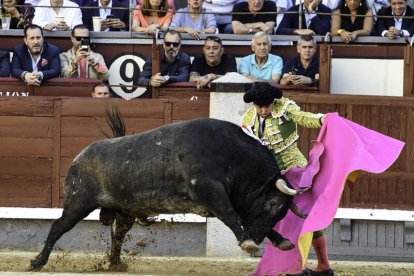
[303,118]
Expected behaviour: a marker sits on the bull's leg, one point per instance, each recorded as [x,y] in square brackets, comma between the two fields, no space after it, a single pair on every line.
[217,202]
[120,227]
[70,216]
[279,241]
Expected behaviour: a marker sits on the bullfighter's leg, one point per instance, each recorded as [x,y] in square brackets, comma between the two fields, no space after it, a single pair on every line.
[120,227]
[279,241]
[72,214]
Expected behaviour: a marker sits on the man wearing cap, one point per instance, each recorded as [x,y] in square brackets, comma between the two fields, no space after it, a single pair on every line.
[274,120]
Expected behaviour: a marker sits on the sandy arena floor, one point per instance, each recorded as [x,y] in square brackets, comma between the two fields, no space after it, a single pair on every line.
[67,263]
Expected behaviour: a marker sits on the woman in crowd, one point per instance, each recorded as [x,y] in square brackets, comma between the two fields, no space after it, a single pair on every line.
[147,21]
[194,20]
[356,20]
[20,16]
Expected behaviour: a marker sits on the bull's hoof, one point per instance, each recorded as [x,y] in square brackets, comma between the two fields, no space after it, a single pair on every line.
[144,221]
[120,267]
[34,266]
[285,245]
[249,246]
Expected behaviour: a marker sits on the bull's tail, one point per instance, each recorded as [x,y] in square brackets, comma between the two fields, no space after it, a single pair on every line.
[115,121]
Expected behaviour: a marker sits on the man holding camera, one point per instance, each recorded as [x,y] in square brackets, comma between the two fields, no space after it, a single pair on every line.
[303,69]
[80,61]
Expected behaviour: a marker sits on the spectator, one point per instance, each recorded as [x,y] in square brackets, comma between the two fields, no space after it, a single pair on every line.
[36,60]
[175,66]
[332,4]
[4,64]
[101,90]
[274,119]
[312,23]
[213,64]
[20,16]
[45,17]
[303,69]
[222,12]
[281,7]
[112,19]
[350,27]
[398,25]
[145,21]
[254,22]
[261,65]
[194,20]
[170,3]
[80,61]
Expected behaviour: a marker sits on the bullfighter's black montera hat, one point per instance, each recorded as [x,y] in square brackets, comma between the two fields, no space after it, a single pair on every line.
[262,94]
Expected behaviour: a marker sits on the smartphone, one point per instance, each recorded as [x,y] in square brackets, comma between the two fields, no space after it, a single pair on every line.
[294,71]
[110,16]
[85,44]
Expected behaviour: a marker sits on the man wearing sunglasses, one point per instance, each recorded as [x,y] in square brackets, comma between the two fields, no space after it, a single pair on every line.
[80,61]
[175,66]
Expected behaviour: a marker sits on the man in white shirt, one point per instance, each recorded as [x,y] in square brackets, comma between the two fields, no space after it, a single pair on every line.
[47,11]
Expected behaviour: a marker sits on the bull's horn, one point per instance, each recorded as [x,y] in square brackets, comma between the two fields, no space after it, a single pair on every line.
[282,186]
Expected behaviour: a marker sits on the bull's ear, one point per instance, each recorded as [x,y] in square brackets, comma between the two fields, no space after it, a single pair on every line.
[283,187]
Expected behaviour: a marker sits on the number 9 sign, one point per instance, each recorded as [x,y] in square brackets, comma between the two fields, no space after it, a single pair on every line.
[124,74]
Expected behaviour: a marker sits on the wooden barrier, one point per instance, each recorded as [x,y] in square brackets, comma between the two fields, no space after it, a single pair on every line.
[41,135]
[69,87]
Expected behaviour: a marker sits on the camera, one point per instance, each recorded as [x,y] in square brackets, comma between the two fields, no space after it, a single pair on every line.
[85,44]
[398,33]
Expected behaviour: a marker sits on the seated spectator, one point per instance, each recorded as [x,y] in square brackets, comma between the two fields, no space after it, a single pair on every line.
[350,27]
[213,64]
[255,20]
[281,7]
[262,65]
[175,66]
[112,19]
[312,23]
[4,64]
[145,21]
[170,3]
[101,90]
[194,20]
[36,60]
[332,4]
[303,69]
[45,17]
[80,61]
[222,12]
[20,16]
[398,25]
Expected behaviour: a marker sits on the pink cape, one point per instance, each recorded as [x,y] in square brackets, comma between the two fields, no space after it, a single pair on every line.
[343,148]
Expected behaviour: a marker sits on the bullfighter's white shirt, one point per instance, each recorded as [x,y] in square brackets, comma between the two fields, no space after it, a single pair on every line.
[46,15]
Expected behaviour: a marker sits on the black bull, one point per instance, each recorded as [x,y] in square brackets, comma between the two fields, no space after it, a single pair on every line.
[205,166]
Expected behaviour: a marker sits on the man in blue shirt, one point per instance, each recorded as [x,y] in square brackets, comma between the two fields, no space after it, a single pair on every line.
[175,66]
[303,69]
[261,65]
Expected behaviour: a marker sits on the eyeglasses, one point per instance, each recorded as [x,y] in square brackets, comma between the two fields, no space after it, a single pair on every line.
[169,44]
[79,38]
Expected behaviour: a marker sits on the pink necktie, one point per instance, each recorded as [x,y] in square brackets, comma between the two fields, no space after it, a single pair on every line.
[82,68]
